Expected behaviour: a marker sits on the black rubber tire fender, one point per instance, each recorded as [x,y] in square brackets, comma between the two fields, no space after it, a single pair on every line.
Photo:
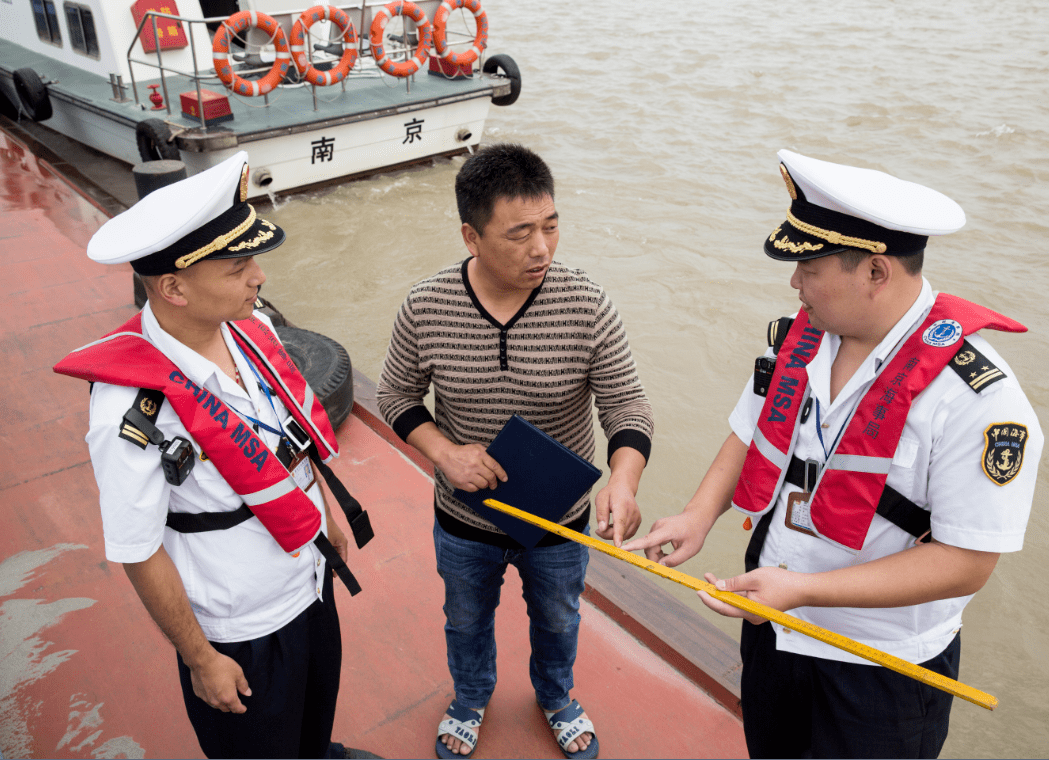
[154,141]
[31,91]
[506,66]
[9,100]
[326,366]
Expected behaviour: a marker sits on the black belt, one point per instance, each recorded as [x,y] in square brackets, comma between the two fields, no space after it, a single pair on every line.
[360,524]
[893,506]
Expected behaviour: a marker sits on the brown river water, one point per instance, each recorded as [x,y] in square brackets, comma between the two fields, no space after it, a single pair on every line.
[661,124]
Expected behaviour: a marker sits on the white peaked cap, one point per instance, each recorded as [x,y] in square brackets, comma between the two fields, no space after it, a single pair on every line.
[205,215]
[875,196]
[837,208]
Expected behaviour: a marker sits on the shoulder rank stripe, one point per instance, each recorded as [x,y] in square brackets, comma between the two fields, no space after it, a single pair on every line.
[130,433]
[148,403]
[778,329]
[974,368]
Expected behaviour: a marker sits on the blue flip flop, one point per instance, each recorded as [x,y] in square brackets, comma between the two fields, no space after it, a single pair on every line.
[571,724]
[462,723]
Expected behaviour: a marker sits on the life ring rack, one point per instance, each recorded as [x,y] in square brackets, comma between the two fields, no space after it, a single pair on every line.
[239,22]
[440,32]
[300,35]
[425,29]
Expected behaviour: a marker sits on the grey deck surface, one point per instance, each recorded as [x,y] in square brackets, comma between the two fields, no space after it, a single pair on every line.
[288,106]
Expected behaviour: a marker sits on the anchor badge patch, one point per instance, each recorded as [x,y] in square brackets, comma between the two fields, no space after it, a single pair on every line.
[1004,451]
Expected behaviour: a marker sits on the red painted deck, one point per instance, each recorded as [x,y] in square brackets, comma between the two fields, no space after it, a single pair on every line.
[85,673]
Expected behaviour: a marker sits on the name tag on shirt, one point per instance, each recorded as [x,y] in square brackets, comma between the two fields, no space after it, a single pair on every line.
[798,517]
[302,471]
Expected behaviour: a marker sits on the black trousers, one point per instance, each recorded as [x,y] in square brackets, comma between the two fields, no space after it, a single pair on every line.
[800,706]
[294,678]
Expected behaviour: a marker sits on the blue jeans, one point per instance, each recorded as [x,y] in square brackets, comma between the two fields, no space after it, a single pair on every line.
[552,580]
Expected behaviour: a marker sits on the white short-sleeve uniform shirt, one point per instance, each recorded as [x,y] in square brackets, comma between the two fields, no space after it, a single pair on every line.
[240,583]
[937,465]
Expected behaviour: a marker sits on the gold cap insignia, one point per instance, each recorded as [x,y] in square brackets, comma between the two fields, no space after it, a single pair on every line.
[243,184]
[790,183]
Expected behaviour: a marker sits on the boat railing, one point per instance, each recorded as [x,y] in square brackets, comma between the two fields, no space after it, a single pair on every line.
[402,49]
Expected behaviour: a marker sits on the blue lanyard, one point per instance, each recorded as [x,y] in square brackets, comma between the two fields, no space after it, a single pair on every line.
[266,390]
[819,432]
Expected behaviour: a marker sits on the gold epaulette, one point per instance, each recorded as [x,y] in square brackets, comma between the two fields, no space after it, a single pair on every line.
[147,403]
[974,368]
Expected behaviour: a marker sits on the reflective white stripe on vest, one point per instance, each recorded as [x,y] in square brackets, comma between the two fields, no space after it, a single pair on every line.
[114,336]
[856,463]
[283,488]
[770,452]
[307,404]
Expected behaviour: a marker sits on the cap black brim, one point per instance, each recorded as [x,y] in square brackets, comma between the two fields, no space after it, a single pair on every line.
[261,237]
[789,244]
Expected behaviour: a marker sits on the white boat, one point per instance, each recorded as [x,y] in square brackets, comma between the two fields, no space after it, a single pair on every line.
[93,71]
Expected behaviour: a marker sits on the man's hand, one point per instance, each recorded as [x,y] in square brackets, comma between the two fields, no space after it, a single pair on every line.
[686,532]
[338,538]
[617,501]
[335,534]
[216,679]
[774,587]
[469,467]
[618,516]
[219,681]
[920,574]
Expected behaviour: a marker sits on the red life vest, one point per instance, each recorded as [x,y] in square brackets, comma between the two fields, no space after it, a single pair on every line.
[125,357]
[850,484]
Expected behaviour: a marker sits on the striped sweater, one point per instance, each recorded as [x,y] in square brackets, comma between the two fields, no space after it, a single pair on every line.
[565,346]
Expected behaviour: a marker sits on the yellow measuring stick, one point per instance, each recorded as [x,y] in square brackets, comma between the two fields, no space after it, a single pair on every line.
[926,676]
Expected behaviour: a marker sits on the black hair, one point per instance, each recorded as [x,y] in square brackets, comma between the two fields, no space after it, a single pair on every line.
[502,170]
[852,258]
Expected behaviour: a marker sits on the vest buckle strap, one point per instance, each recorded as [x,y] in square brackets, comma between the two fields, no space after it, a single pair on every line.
[358,519]
[893,506]
[336,563]
[361,525]
[298,437]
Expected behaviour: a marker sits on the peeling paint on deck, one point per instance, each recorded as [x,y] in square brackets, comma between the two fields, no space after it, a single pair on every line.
[25,659]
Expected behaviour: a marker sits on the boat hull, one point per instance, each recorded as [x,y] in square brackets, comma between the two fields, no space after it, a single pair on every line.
[331,151]
[296,137]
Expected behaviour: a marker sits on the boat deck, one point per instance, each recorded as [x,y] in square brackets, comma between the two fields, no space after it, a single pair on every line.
[85,673]
[290,108]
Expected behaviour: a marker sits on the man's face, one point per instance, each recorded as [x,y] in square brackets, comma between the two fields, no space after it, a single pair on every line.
[222,290]
[518,243]
[835,300]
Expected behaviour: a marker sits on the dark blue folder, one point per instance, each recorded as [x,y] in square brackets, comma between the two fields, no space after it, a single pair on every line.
[544,477]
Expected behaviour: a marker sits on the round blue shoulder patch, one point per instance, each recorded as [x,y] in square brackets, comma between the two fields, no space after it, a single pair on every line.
[944,332]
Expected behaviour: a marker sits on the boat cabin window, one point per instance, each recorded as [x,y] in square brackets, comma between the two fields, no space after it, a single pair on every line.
[46,17]
[81,29]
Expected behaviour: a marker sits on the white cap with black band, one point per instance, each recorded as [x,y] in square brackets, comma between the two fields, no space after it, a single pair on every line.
[203,216]
[836,208]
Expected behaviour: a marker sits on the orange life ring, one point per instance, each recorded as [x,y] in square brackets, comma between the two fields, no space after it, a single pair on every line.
[299,37]
[425,29]
[440,27]
[235,24]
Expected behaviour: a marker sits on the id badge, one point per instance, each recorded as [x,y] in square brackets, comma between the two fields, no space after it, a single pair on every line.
[798,517]
[302,471]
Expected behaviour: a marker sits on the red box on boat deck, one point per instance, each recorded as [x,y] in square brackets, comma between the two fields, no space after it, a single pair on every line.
[215,105]
[441,68]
